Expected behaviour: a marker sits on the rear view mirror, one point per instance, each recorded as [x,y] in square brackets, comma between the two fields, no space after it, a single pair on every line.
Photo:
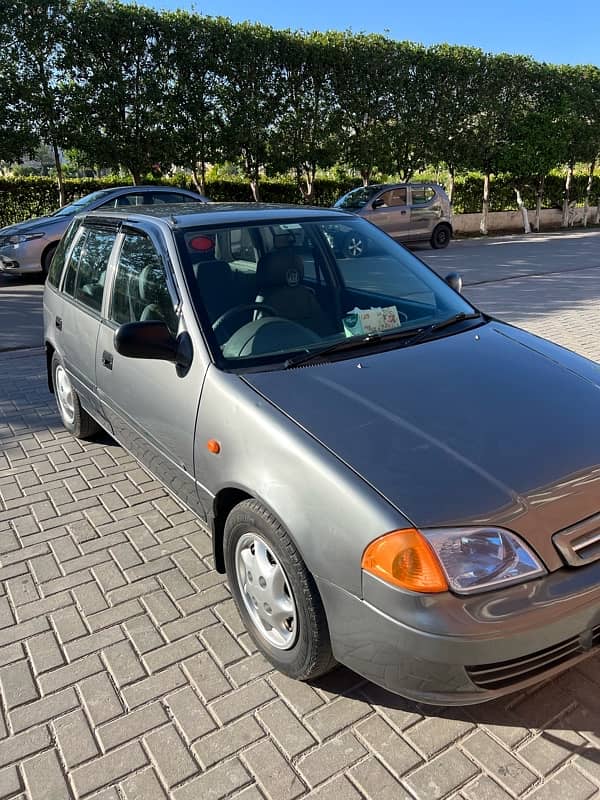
[378,202]
[454,279]
[151,339]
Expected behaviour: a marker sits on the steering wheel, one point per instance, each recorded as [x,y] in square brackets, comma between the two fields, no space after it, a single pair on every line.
[238,309]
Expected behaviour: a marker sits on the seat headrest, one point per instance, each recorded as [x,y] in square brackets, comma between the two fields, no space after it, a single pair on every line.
[282,267]
[149,289]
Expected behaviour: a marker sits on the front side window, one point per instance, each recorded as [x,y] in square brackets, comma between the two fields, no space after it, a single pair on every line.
[394,197]
[302,289]
[141,290]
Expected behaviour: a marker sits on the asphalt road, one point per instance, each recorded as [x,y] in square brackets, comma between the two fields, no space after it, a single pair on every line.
[480,261]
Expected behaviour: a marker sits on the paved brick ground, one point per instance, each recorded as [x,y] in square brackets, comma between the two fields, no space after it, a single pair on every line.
[126,674]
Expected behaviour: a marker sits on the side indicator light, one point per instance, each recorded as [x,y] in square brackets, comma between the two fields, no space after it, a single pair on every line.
[405,558]
[213,446]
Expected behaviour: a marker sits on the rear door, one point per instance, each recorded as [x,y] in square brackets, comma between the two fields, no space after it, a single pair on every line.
[150,405]
[424,211]
[78,322]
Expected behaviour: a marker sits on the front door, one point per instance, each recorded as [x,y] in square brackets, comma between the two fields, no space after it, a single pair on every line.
[390,212]
[151,407]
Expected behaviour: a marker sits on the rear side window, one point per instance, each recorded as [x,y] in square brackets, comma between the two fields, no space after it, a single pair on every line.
[58,262]
[422,195]
[86,272]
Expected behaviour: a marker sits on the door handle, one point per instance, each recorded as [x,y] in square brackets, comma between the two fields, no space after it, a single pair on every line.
[58,323]
[107,360]
[403,211]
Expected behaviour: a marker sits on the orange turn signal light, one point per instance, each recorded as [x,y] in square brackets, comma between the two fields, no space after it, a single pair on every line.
[213,446]
[405,558]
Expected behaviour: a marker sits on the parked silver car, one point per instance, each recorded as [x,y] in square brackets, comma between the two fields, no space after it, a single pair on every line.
[408,212]
[29,246]
[393,480]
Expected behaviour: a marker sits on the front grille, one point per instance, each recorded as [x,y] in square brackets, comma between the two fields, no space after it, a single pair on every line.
[501,674]
[580,544]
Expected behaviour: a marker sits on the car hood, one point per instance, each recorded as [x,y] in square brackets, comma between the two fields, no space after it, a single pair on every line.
[490,426]
[34,225]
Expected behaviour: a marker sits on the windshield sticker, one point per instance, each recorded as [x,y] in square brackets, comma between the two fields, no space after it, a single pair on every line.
[371,320]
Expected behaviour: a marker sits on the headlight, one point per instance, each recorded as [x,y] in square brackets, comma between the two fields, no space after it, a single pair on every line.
[477,559]
[18,238]
[464,560]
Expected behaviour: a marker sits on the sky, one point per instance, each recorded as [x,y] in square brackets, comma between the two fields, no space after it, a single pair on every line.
[554,31]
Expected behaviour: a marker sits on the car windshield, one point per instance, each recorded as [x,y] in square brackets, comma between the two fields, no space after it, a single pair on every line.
[357,198]
[266,293]
[80,205]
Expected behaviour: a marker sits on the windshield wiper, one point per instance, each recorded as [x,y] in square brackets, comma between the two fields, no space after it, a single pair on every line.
[423,333]
[412,336]
[343,344]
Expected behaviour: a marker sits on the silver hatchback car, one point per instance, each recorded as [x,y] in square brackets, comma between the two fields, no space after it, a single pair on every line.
[29,246]
[408,212]
[393,480]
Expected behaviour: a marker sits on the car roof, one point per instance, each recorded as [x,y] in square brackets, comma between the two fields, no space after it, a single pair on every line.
[193,214]
[161,187]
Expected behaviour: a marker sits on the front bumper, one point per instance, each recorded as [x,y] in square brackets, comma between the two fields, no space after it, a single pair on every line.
[449,650]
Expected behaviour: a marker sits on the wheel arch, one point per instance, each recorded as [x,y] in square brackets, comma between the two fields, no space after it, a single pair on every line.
[50,350]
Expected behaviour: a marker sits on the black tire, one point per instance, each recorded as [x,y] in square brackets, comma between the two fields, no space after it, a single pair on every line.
[79,422]
[310,654]
[354,246]
[47,258]
[441,236]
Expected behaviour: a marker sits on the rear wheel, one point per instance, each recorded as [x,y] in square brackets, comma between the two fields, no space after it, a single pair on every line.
[73,416]
[47,258]
[441,236]
[275,594]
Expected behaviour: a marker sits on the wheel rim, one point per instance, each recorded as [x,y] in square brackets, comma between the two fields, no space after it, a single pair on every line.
[64,394]
[266,591]
[442,236]
[355,247]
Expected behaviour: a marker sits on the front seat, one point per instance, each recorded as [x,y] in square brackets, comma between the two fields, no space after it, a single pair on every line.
[279,276]
[154,298]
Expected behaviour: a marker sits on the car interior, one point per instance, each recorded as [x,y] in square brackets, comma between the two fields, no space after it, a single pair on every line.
[269,288]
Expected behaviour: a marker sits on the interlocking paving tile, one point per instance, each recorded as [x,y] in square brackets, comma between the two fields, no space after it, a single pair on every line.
[126,672]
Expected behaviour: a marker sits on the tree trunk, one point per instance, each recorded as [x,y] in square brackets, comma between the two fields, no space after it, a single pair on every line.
[255,189]
[523,210]
[365,174]
[538,203]
[451,184]
[588,192]
[59,175]
[568,183]
[135,176]
[199,181]
[485,210]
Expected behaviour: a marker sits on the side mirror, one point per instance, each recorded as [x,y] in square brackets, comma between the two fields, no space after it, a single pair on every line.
[152,339]
[378,202]
[454,279]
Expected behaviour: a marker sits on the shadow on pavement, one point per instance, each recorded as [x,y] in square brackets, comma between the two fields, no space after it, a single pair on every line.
[21,319]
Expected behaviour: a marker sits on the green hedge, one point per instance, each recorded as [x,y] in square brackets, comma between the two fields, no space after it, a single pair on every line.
[25,197]
[469,192]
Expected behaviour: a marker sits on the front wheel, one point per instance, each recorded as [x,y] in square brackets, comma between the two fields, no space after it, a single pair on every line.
[275,594]
[74,417]
[441,236]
